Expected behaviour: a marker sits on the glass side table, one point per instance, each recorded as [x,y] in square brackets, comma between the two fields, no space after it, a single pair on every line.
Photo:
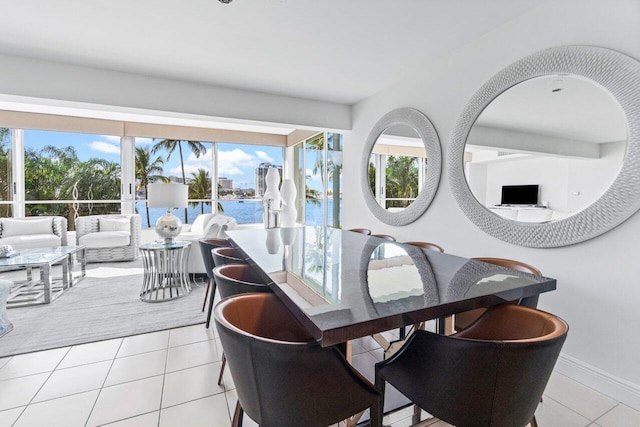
[165,271]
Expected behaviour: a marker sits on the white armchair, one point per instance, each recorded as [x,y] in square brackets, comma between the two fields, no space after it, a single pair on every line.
[204,226]
[109,237]
[33,232]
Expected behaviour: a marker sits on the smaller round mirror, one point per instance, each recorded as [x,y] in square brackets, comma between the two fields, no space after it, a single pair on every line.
[401,165]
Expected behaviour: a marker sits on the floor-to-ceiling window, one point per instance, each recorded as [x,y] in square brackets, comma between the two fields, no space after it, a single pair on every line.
[241,170]
[71,174]
[317,172]
[6,178]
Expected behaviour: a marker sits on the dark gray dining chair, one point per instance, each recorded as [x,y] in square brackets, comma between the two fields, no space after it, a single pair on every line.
[234,279]
[491,374]
[283,377]
[206,245]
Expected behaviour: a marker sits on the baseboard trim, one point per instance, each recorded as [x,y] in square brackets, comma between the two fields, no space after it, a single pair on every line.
[617,388]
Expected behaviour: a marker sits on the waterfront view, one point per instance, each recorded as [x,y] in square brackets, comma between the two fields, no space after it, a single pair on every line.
[244,212]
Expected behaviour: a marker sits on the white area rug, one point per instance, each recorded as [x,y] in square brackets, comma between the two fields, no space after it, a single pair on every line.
[104,305]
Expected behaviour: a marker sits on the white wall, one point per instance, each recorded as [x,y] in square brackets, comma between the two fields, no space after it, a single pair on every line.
[598,287]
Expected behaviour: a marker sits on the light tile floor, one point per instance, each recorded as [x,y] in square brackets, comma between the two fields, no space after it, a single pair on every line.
[168,379]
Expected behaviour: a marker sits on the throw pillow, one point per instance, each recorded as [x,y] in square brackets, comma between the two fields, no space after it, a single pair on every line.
[20,227]
[198,224]
[114,224]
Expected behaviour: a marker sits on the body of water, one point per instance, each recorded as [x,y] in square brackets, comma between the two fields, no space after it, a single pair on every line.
[244,212]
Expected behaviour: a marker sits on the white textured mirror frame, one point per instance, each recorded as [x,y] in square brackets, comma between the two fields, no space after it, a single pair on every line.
[617,73]
[429,136]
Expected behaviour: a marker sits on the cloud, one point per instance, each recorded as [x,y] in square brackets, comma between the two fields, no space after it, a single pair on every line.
[264,156]
[111,138]
[188,170]
[104,147]
[237,164]
[233,162]
[143,141]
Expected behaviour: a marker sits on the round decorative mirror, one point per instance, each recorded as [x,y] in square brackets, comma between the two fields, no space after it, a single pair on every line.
[401,166]
[544,154]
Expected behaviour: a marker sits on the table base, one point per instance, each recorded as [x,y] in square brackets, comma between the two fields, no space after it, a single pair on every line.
[47,288]
[165,272]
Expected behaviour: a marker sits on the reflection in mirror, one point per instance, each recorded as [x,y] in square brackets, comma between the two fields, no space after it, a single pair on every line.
[397,167]
[392,274]
[546,148]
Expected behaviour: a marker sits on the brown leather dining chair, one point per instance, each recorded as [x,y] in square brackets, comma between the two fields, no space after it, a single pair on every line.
[385,237]
[426,245]
[361,230]
[283,377]
[464,319]
[491,374]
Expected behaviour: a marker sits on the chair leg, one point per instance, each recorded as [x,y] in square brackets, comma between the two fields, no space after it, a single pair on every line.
[206,294]
[533,422]
[237,416]
[224,362]
[212,295]
[376,414]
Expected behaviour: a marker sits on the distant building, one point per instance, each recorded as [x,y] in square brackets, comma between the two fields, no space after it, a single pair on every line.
[261,174]
[225,183]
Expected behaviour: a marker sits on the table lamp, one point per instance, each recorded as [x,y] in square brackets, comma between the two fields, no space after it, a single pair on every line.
[170,196]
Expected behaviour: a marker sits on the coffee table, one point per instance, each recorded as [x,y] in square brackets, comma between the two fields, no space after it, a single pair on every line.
[47,288]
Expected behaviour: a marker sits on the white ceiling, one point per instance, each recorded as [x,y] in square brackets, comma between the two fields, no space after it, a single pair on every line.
[341,51]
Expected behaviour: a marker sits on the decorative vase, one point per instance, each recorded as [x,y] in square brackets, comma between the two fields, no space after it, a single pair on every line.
[271,200]
[289,214]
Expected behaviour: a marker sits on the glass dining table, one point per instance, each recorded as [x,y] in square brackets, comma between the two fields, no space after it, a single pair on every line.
[343,285]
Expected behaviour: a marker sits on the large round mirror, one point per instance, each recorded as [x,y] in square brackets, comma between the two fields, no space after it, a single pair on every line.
[545,152]
[401,166]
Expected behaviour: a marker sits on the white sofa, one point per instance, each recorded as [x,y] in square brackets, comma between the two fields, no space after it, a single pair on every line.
[109,237]
[204,226]
[33,232]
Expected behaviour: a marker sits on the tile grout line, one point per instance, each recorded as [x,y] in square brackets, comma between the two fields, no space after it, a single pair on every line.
[113,360]
[40,388]
[546,396]
[605,413]
[164,376]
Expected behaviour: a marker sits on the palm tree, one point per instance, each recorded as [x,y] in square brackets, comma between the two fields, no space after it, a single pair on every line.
[170,145]
[200,188]
[148,170]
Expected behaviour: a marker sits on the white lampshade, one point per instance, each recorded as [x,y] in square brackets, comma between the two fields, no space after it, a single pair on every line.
[167,195]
